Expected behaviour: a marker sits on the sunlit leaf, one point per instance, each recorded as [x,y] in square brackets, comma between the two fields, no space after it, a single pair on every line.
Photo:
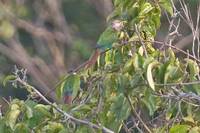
[128,66]
[173,74]
[194,130]
[43,109]
[29,112]
[166,4]
[156,17]
[53,127]
[145,9]
[179,129]
[149,74]
[8,78]
[7,30]
[189,119]
[21,128]
[171,56]
[60,87]
[138,61]
[13,114]
[108,58]
[193,67]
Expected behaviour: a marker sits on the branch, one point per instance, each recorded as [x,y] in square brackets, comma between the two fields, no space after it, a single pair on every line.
[184,83]
[141,41]
[181,95]
[65,114]
[136,114]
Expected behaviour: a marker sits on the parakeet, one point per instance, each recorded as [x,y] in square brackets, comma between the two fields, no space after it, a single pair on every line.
[107,38]
[67,97]
[70,88]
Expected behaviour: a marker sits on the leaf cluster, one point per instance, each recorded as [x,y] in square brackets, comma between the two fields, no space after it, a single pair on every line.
[131,83]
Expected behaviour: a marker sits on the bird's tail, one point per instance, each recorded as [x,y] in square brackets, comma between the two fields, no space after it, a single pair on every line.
[68,97]
[93,59]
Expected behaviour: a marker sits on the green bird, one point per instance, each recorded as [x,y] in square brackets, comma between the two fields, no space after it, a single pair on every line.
[106,40]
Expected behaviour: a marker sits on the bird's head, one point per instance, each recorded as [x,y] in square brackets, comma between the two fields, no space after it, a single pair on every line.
[117,25]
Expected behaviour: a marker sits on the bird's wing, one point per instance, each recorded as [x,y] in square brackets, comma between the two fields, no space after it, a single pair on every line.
[107,38]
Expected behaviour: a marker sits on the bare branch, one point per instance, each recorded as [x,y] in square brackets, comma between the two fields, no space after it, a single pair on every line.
[136,114]
[65,114]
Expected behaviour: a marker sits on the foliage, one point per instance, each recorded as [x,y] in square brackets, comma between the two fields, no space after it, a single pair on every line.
[33,37]
[132,83]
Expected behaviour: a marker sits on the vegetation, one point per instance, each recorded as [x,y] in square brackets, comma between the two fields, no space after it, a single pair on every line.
[133,87]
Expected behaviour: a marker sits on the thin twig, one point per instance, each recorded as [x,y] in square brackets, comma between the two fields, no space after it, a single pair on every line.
[141,40]
[136,114]
[181,95]
[68,116]
[4,99]
[175,84]
[125,128]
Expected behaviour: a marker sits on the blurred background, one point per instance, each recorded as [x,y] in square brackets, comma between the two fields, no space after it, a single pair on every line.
[51,37]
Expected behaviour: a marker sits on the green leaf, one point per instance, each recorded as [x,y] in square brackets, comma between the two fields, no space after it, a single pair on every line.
[12,115]
[21,128]
[60,86]
[43,109]
[150,101]
[171,55]
[136,80]
[166,4]
[179,129]
[81,129]
[173,74]
[150,27]
[82,108]
[117,2]
[59,90]
[120,107]
[8,78]
[171,110]
[194,130]
[138,61]
[53,127]
[114,14]
[128,67]
[156,17]
[193,67]
[3,127]
[7,29]
[107,117]
[133,12]
[149,74]
[72,83]
[189,119]
[162,71]
[108,58]
[118,57]
[122,82]
[147,61]
[145,9]
[29,112]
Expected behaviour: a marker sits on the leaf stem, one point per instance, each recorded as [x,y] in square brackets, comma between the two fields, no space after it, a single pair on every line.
[136,114]
[65,114]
